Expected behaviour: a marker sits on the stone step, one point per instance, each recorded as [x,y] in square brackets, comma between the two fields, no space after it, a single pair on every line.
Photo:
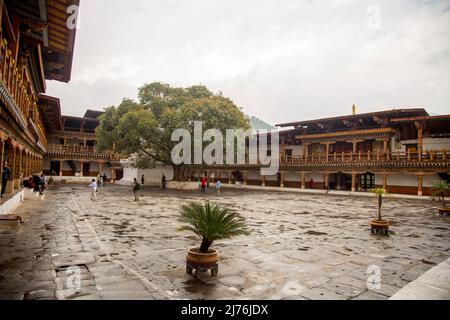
[8,220]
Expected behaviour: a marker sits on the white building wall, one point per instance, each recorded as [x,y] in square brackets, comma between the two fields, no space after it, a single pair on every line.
[436,144]
[152,176]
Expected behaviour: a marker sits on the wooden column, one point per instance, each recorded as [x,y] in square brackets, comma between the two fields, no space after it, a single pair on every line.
[263,181]
[302,179]
[113,175]
[230,176]
[282,179]
[2,147]
[353,181]
[420,185]
[20,167]
[419,128]
[326,180]
[245,178]
[81,168]
[100,167]
[61,163]
[13,168]
[385,182]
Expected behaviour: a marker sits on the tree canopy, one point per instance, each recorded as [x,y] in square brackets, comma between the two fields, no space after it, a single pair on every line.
[144,128]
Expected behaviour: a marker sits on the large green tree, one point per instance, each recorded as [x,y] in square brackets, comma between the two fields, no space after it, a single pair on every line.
[144,128]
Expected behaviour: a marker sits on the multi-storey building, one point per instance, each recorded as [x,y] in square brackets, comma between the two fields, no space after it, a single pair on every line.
[72,150]
[36,45]
[403,151]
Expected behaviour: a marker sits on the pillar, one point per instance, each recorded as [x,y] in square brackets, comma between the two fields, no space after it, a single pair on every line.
[326,180]
[419,136]
[61,163]
[353,182]
[263,181]
[81,168]
[327,150]
[230,177]
[13,168]
[385,179]
[113,175]
[420,185]
[245,178]
[2,148]
[302,179]
[20,167]
[100,167]
[282,179]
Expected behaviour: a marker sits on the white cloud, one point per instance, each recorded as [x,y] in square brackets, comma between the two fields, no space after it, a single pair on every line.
[280,60]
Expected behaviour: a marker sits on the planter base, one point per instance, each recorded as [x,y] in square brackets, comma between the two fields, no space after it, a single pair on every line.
[380,227]
[444,211]
[195,269]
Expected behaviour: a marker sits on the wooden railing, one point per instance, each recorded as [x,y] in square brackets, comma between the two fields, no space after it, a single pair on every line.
[19,89]
[395,156]
[81,151]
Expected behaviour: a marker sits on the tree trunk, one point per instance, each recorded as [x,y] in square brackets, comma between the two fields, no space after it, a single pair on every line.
[205,245]
[380,203]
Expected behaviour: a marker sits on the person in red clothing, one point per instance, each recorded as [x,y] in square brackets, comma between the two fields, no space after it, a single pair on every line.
[203,190]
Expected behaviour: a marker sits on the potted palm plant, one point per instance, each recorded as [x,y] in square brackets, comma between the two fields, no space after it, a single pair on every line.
[209,222]
[441,190]
[379,226]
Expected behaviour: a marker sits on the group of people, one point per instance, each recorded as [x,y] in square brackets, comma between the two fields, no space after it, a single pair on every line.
[137,187]
[36,182]
[101,181]
[204,185]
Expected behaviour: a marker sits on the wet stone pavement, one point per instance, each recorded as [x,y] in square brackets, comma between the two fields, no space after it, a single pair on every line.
[300,247]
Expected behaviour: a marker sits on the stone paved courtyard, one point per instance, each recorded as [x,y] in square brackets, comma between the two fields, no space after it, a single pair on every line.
[301,246]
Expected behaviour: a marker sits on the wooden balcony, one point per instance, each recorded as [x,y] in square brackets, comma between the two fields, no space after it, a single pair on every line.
[17,92]
[441,156]
[78,152]
[426,161]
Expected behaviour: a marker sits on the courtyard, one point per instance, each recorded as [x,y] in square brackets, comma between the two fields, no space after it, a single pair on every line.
[300,247]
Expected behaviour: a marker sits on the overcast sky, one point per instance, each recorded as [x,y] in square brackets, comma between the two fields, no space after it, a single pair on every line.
[279,60]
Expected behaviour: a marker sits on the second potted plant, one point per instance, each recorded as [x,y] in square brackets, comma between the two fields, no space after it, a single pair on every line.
[210,223]
[379,226]
[441,190]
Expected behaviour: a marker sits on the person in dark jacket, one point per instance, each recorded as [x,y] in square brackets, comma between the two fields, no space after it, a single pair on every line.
[6,175]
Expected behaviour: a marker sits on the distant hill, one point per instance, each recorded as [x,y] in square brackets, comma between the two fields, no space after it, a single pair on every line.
[258,124]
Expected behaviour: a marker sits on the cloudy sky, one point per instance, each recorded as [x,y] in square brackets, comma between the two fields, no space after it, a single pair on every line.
[280,60]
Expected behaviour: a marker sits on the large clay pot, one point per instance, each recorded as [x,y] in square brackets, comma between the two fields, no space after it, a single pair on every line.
[379,227]
[196,258]
[197,261]
[444,211]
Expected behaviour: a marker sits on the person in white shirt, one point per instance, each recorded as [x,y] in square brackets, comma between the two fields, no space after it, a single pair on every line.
[93,185]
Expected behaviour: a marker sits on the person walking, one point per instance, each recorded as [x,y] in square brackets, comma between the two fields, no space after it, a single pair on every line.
[104,179]
[136,189]
[94,186]
[203,189]
[6,175]
[142,181]
[218,186]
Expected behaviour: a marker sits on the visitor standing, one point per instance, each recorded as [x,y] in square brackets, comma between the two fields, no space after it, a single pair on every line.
[163,182]
[93,185]
[104,179]
[142,181]
[136,189]
[218,186]
[43,184]
[6,175]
